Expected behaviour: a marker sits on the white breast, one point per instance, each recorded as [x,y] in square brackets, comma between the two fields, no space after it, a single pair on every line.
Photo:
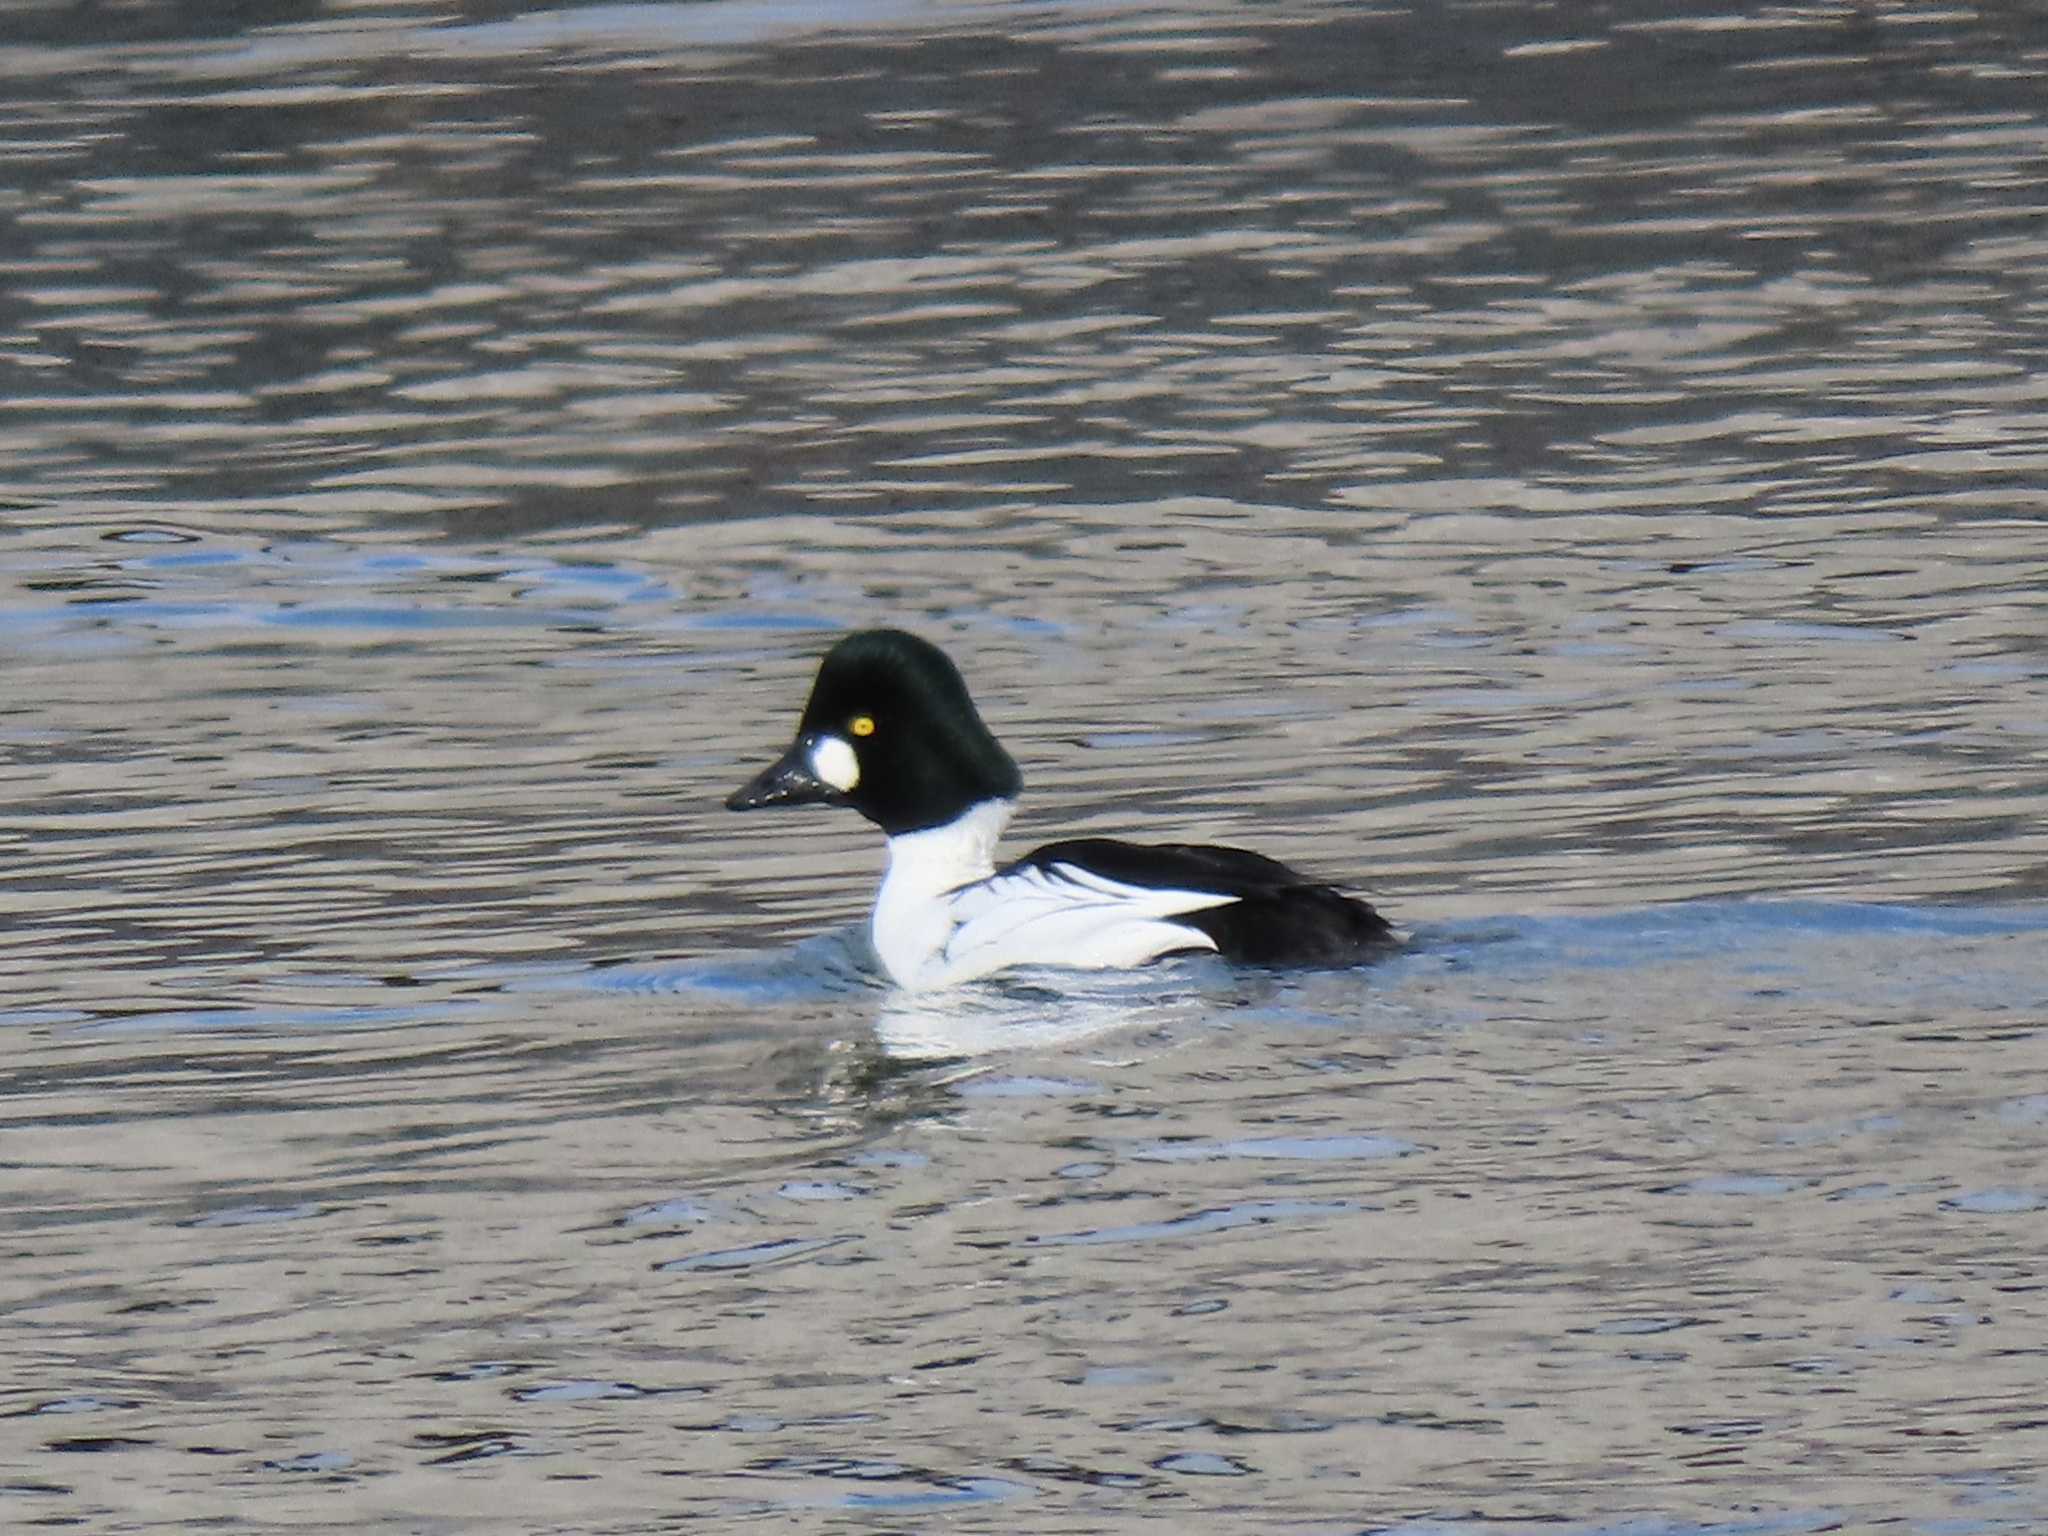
[944,916]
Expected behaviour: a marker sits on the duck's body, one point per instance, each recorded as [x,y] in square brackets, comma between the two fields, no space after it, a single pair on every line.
[891,731]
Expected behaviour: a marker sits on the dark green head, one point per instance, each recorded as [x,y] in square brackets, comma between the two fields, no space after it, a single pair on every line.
[890,731]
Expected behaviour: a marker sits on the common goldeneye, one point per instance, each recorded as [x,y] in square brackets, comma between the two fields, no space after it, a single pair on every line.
[890,730]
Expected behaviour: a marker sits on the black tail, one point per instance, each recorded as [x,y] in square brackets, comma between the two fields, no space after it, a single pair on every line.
[1295,925]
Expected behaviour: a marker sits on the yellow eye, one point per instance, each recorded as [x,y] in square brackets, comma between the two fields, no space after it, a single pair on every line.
[863,725]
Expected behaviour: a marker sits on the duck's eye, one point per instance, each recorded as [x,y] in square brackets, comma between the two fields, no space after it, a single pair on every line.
[863,725]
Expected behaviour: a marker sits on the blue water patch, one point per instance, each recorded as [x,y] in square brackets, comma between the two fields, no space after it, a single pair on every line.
[1998,1202]
[821,968]
[312,1461]
[84,1403]
[679,1212]
[940,1494]
[1886,962]
[151,535]
[1125,1376]
[1027,1088]
[577,1392]
[612,583]
[190,559]
[1696,929]
[33,1016]
[1795,630]
[1886,959]
[295,584]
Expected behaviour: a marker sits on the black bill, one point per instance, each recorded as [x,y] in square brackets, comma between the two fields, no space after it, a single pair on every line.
[786,781]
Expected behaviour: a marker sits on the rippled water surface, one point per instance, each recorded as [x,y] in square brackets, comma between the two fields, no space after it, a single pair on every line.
[1579,473]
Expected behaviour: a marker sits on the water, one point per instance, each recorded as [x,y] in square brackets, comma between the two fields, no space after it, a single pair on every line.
[1573,472]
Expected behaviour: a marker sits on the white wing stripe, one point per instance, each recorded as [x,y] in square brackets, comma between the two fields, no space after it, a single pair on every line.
[1068,915]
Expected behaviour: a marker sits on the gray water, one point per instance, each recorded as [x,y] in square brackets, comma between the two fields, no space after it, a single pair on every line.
[1573,472]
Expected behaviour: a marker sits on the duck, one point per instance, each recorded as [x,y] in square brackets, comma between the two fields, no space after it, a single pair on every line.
[891,731]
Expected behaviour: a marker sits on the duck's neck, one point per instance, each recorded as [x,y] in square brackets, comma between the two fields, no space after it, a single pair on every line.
[911,922]
[959,853]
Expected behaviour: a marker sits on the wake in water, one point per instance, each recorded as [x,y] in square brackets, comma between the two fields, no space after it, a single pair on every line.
[1856,956]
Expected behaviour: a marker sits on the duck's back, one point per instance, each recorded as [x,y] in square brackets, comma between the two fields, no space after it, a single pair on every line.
[1262,912]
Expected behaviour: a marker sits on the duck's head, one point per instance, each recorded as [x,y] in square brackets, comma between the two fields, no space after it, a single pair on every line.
[889,730]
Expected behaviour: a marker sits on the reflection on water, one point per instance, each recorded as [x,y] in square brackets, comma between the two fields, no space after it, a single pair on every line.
[1574,474]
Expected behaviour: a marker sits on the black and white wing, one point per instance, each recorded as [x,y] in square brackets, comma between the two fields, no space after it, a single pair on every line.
[1096,902]
[1266,914]
[1064,912]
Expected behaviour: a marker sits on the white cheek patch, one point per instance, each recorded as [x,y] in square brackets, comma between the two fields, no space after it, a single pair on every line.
[833,761]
